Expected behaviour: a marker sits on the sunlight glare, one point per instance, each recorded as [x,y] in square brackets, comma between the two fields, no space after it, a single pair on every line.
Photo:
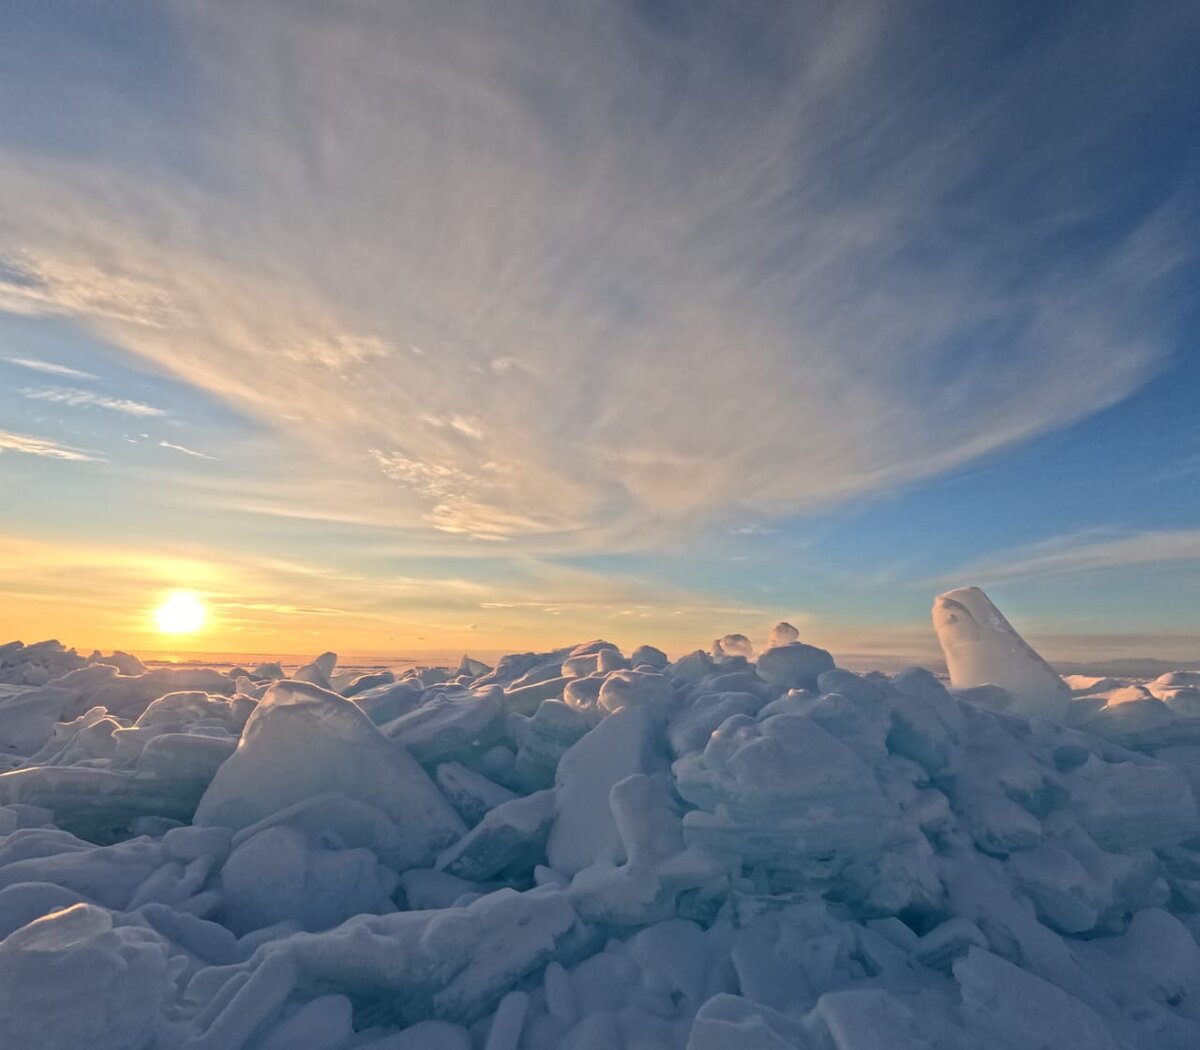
[181,613]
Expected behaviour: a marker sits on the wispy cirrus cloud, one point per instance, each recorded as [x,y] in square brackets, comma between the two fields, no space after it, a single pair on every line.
[1087,552]
[336,352]
[60,283]
[50,368]
[90,399]
[636,309]
[35,446]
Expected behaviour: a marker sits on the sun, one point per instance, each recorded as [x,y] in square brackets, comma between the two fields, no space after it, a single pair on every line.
[182,613]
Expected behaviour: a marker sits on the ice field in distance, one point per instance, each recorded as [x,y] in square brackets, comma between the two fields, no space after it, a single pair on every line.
[743,847]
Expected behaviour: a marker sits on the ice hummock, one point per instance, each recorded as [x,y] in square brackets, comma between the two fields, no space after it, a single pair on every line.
[983,649]
[580,849]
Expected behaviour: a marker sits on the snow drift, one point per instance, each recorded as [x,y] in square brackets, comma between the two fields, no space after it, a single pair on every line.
[583,849]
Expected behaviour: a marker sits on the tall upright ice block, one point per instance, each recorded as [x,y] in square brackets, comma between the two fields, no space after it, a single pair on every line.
[982,648]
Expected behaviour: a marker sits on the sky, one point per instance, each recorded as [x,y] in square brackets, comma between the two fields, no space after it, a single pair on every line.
[399,327]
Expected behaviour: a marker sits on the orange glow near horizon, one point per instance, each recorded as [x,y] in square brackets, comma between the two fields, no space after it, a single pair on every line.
[98,596]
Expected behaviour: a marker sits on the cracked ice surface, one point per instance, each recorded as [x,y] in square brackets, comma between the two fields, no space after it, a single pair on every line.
[583,849]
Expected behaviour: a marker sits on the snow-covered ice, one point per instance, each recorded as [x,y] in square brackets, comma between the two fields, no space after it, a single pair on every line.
[584,849]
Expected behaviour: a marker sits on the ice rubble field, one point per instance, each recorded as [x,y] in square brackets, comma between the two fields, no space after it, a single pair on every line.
[584,849]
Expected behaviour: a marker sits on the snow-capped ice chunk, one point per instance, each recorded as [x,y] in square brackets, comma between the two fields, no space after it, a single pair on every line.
[448,724]
[794,665]
[279,875]
[732,645]
[727,1021]
[1177,680]
[510,838]
[622,688]
[521,669]
[362,682]
[692,667]
[23,902]
[754,766]
[125,663]
[319,672]
[387,702]
[583,694]
[928,725]
[303,741]
[1133,804]
[649,656]
[129,696]
[471,668]
[860,722]
[592,658]
[96,802]
[1141,722]
[450,965]
[543,739]
[1013,1008]
[692,727]
[658,867]
[27,718]
[72,979]
[108,875]
[783,633]
[783,793]
[1185,703]
[948,941]
[470,793]
[338,820]
[626,742]
[1082,684]
[983,648]
[37,664]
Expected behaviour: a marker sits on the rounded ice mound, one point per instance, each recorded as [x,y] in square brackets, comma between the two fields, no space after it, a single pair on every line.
[782,634]
[304,741]
[983,648]
[648,654]
[794,665]
[732,645]
[623,688]
[754,767]
[71,979]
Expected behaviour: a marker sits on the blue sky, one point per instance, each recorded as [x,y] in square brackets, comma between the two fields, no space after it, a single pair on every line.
[409,326]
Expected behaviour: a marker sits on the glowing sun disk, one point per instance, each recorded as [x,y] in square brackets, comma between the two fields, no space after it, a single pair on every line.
[181,613]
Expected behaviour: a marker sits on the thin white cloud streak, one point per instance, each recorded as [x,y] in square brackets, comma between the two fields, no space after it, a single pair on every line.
[35,446]
[50,368]
[1086,553]
[641,304]
[89,399]
[185,450]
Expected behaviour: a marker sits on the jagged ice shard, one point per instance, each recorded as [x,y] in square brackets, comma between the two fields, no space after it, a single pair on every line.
[983,649]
